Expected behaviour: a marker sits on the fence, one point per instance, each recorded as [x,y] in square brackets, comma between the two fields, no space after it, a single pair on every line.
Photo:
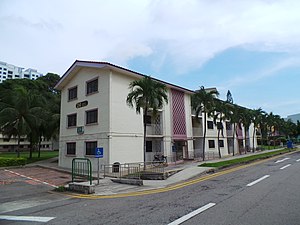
[128,171]
[208,155]
[132,170]
[81,170]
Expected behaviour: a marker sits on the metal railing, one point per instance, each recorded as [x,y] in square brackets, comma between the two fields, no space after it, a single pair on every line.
[132,170]
[208,155]
[81,170]
[125,171]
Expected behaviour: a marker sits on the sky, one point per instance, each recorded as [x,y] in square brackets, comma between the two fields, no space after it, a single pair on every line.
[250,47]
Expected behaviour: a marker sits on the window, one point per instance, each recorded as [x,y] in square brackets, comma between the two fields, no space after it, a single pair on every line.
[10,72]
[92,86]
[228,126]
[221,143]
[210,125]
[71,148]
[90,147]
[26,75]
[92,116]
[211,143]
[72,93]
[72,120]
[148,120]
[4,68]
[17,75]
[148,146]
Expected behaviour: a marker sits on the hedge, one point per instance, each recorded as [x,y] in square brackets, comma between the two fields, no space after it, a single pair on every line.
[12,162]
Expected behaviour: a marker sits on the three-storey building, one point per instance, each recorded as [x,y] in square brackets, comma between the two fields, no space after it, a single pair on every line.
[94,114]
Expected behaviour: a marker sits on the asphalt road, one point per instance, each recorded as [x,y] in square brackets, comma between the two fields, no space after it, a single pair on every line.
[266,193]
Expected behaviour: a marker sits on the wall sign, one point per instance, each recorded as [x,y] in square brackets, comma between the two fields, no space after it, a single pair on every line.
[81,104]
[80,130]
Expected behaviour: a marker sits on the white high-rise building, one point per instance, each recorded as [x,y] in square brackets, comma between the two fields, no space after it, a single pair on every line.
[9,71]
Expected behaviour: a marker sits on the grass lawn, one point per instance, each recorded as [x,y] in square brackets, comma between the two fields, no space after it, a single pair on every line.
[44,155]
[247,159]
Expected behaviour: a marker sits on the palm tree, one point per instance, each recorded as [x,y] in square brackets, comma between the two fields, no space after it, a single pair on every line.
[221,114]
[18,113]
[246,119]
[146,94]
[203,102]
[257,119]
[271,120]
[234,117]
[237,120]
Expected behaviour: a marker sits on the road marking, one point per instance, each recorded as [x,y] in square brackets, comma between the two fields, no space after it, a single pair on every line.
[192,214]
[281,160]
[27,218]
[173,187]
[258,180]
[298,160]
[282,168]
[33,179]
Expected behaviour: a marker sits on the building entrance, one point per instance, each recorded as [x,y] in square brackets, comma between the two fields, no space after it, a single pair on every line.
[181,148]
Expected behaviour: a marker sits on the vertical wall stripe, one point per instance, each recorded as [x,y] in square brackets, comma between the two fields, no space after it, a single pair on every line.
[178,112]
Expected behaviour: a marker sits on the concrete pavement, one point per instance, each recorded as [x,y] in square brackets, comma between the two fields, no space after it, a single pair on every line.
[186,171]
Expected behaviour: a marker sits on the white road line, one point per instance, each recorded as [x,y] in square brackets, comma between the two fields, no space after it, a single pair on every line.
[258,180]
[298,160]
[192,214]
[27,218]
[281,160]
[282,168]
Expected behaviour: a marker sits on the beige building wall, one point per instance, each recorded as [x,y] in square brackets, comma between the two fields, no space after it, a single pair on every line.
[126,126]
[98,100]
[120,129]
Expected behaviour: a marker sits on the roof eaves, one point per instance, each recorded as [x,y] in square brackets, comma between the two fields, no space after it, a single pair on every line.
[83,63]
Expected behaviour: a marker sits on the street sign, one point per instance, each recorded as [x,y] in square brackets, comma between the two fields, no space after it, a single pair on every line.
[99,152]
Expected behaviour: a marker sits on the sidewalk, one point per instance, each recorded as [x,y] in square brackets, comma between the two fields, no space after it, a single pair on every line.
[187,170]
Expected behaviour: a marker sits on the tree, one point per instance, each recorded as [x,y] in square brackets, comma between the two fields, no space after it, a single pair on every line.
[49,127]
[246,119]
[222,111]
[273,124]
[38,94]
[257,119]
[234,116]
[18,113]
[146,94]
[203,102]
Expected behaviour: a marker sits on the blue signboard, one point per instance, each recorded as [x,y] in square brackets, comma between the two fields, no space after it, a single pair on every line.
[99,153]
[174,148]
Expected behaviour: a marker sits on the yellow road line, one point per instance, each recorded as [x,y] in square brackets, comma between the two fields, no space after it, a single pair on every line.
[176,186]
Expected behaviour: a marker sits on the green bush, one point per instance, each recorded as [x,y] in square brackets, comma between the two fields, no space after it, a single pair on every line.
[12,162]
[60,189]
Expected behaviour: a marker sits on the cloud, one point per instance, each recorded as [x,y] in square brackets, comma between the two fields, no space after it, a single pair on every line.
[256,76]
[185,33]
[19,21]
